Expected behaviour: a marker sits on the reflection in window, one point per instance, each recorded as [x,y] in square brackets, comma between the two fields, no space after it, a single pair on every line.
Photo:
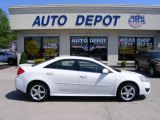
[155,54]
[144,43]
[89,66]
[128,46]
[50,47]
[33,47]
[41,47]
[93,46]
[63,64]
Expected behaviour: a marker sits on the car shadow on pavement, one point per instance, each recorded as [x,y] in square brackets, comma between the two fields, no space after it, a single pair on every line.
[89,99]
[16,95]
[19,96]
[4,66]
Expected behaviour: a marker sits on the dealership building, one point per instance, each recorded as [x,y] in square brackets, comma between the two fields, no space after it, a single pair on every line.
[110,33]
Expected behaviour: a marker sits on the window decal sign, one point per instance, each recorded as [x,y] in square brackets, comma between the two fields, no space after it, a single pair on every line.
[136,21]
[32,47]
[145,43]
[89,46]
[50,47]
[128,46]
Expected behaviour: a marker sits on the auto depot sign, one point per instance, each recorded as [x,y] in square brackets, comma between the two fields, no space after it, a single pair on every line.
[80,20]
[85,21]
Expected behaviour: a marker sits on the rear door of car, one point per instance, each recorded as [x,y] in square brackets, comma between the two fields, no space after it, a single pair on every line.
[64,75]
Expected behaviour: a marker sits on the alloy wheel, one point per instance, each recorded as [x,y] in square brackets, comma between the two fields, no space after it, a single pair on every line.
[128,92]
[38,92]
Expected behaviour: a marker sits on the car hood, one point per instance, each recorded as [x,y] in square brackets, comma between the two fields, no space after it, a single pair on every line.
[128,75]
[156,60]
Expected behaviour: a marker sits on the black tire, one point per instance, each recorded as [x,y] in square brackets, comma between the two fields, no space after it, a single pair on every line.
[152,71]
[127,96]
[137,66]
[38,92]
[10,61]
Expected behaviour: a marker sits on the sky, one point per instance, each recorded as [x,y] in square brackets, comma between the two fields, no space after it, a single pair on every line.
[4,4]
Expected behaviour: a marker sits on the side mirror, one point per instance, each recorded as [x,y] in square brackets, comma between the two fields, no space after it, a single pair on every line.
[105,71]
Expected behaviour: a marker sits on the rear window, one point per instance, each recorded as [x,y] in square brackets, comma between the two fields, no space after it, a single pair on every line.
[155,54]
[67,64]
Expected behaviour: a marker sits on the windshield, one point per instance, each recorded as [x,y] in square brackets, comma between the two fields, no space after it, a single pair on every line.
[155,54]
[7,53]
[117,70]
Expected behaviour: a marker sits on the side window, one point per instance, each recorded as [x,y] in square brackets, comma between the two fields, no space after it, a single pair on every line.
[88,66]
[63,64]
[52,65]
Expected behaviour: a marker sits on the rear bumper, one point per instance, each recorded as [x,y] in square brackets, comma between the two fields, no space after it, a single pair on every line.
[20,84]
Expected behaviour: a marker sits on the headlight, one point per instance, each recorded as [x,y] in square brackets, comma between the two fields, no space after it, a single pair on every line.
[143,79]
[158,65]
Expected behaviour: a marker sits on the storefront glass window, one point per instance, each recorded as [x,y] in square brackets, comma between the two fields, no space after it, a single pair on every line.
[144,43]
[128,46]
[41,47]
[89,46]
[33,47]
[50,47]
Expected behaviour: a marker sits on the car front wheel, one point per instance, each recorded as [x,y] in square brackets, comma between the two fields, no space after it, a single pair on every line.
[38,92]
[127,92]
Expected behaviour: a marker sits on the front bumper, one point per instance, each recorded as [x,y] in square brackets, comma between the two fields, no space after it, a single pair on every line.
[145,88]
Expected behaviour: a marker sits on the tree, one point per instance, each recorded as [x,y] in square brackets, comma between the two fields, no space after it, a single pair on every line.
[6,34]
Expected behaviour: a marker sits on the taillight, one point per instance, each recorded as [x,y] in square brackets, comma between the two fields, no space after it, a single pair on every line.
[20,71]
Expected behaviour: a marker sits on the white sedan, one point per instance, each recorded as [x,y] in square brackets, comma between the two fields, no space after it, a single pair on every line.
[79,76]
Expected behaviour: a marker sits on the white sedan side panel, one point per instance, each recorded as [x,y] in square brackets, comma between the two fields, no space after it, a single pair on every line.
[64,81]
[96,83]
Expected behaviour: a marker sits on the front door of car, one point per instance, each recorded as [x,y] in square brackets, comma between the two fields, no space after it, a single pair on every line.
[93,81]
[65,76]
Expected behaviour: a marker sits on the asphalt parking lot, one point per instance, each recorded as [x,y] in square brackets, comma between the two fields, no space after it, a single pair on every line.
[4,66]
[17,106]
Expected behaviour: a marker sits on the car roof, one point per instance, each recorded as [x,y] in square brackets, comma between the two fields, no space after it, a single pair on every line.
[154,50]
[73,57]
[65,57]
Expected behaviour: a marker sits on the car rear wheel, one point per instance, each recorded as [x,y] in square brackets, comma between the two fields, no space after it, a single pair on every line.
[38,92]
[127,92]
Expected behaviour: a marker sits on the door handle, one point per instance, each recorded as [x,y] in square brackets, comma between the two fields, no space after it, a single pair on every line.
[83,76]
[49,73]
